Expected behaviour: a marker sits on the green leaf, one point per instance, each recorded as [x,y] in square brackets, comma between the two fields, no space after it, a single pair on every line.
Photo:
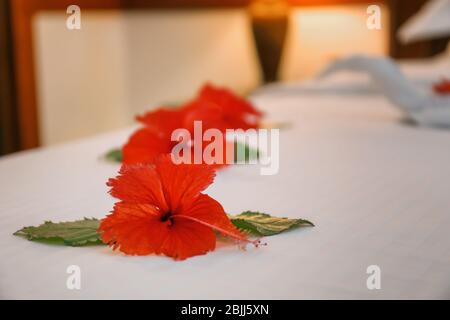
[262,224]
[74,233]
[84,232]
[243,153]
[114,155]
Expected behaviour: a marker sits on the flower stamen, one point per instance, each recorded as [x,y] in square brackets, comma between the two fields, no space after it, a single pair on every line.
[256,242]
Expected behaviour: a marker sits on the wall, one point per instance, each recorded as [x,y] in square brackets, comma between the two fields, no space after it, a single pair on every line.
[122,63]
[317,35]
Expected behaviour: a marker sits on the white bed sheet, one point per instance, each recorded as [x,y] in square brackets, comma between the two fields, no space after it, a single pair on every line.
[377,190]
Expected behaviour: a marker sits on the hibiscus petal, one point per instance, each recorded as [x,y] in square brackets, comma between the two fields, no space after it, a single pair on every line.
[442,87]
[163,121]
[134,229]
[139,184]
[186,239]
[220,109]
[182,182]
[144,146]
[138,230]
[208,212]
[226,97]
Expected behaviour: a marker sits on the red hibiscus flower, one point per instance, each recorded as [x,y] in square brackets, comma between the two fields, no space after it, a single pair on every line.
[442,87]
[162,211]
[145,145]
[219,108]
[154,138]
[214,107]
[163,121]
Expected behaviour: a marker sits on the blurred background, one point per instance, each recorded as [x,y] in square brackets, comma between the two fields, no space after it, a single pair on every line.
[59,84]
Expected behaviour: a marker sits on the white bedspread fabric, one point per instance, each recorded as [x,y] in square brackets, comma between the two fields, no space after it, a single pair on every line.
[377,190]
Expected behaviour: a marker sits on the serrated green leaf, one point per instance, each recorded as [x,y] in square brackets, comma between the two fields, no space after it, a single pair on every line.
[114,155]
[74,233]
[243,153]
[262,224]
[84,232]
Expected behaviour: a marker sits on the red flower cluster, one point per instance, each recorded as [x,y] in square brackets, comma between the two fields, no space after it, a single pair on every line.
[442,87]
[162,211]
[214,107]
[161,208]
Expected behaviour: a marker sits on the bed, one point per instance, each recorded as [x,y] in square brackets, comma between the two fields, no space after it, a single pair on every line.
[376,188]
